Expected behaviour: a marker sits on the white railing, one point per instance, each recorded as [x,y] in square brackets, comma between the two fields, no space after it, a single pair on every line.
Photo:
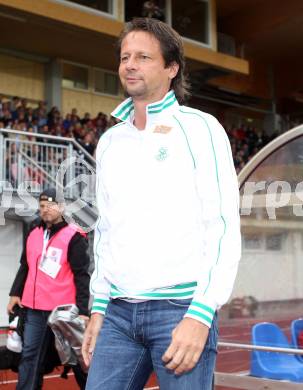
[38,159]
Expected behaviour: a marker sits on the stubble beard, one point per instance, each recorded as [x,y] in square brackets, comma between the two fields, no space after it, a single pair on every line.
[136,92]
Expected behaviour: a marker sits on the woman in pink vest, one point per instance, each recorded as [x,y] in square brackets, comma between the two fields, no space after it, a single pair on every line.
[53,271]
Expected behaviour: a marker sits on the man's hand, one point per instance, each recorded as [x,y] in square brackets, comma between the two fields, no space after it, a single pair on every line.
[84,318]
[188,341]
[12,302]
[90,337]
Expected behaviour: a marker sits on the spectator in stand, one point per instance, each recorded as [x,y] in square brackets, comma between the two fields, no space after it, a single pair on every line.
[58,131]
[24,104]
[88,142]
[41,118]
[86,118]
[237,133]
[70,132]
[6,114]
[53,117]
[67,123]
[75,117]
[101,118]
[30,130]
[41,109]
[34,124]
[78,132]
[34,153]
[29,115]
[101,124]
[15,103]
[245,143]
[21,115]
[45,131]
[18,137]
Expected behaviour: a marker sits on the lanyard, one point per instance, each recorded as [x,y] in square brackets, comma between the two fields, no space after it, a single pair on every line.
[45,242]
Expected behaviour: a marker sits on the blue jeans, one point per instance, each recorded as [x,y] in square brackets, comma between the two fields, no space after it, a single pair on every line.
[132,340]
[35,341]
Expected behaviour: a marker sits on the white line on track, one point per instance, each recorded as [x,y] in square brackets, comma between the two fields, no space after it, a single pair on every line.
[45,377]
[152,388]
[58,376]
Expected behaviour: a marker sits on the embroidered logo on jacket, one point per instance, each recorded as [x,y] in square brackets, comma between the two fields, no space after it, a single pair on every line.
[162,129]
[162,154]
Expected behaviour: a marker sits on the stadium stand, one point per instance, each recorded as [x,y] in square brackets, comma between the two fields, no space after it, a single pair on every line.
[17,114]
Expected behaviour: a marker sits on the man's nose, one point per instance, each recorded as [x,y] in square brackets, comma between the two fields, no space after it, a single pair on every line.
[131,63]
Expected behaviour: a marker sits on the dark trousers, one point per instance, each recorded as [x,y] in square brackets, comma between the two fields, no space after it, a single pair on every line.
[38,339]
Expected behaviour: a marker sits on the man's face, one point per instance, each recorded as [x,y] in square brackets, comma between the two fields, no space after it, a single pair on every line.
[142,69]
[50,212]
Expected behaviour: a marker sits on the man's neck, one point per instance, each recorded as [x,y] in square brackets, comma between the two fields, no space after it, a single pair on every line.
[50,224]
[140,114]
[140,111]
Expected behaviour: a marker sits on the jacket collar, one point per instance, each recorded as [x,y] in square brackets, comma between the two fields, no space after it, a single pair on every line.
[54,228]
[125,110]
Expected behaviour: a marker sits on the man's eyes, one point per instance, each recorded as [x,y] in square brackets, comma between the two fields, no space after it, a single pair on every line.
[139,56]
[144,57]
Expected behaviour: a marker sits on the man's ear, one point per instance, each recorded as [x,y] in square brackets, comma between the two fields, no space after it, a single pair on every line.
[173,70]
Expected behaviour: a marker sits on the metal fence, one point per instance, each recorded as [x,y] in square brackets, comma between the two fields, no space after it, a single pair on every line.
[33,161]
[243,380]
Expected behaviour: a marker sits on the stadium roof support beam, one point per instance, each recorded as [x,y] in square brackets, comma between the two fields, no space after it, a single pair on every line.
[111,27]
[219,60]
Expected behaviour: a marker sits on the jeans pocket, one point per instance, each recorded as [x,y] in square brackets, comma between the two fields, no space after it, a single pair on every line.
[180,302]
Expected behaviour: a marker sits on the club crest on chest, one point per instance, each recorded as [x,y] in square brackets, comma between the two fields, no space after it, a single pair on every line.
[162,154]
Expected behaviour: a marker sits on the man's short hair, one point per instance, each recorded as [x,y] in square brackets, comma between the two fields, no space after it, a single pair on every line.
[171,48]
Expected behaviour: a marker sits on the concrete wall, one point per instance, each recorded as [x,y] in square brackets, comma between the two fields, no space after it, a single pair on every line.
[272,275]
[21,77]
[87,102]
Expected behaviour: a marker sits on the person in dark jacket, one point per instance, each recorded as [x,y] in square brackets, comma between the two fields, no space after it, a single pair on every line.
[53,271]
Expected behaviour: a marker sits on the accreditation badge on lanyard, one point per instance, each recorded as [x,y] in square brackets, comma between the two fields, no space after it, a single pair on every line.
[50,258]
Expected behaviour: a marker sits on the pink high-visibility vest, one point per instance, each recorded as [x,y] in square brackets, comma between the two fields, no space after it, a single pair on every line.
[42,291]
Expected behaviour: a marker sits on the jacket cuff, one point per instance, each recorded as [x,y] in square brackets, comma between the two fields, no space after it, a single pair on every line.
[99,305]
[201,312]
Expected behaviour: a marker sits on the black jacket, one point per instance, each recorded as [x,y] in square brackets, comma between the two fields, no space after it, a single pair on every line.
[79,262]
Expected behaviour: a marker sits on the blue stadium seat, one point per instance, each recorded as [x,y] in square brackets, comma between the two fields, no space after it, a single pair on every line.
[273,365]
[296,327]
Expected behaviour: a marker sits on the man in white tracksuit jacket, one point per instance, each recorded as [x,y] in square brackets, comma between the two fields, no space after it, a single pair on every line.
[167,241]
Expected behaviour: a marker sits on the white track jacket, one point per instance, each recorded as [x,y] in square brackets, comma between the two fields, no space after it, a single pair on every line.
[167,197]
